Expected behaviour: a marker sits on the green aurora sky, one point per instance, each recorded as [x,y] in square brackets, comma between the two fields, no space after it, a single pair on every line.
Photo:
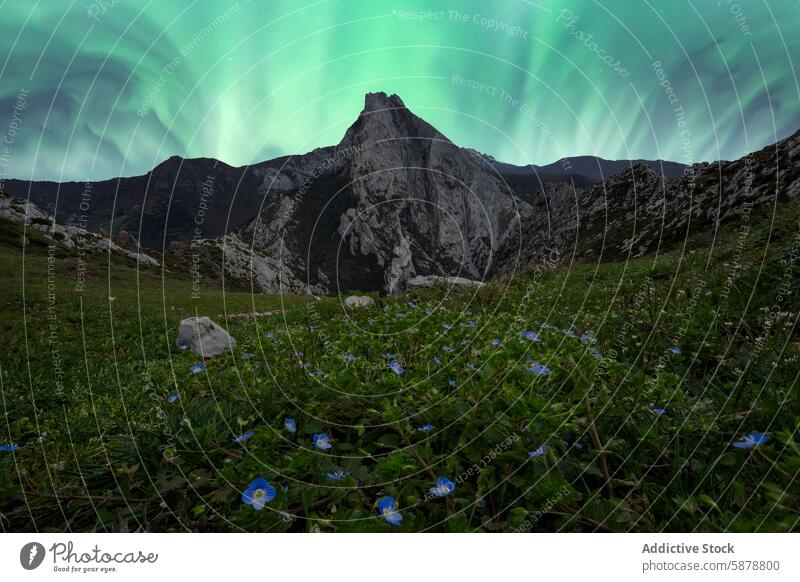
[114,87]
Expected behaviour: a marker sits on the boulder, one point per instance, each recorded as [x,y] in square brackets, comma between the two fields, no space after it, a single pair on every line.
[204,336]
[433,280]
[358,301]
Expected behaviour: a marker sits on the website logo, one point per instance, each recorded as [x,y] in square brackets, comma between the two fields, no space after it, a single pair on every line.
[31,555]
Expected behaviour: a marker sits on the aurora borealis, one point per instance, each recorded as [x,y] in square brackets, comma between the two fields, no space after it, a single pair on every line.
[113,87]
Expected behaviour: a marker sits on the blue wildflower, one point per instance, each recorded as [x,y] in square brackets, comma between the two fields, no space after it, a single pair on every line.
[452,382]
[387,507]
[350,358]
[437,360]
[447,326]
[470,366]
[258,493]
[596,354]
[658,411]
[444,486]
[389,356]
[396,368]
[539,369]
[751,440]
[243,437]
[496,341]
[197,368]
[299,354]
[11,447]
[290,424]
[425,428]
[531,335]
[316,373]
[539,452]
[247,356]
[676,350]
[413,305]
[446,348]
[322,441]
[585,337]
[337,474]
[173,397]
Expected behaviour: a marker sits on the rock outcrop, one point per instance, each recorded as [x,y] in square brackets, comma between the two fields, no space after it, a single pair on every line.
[205,338]
[394,200]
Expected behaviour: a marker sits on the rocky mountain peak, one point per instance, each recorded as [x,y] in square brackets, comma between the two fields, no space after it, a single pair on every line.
[387,118]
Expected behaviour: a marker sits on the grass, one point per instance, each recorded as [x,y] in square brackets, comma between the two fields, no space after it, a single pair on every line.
[85,382]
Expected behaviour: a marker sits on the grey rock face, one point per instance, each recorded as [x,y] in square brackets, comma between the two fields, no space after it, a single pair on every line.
[639,211]
[204,337]
[395,199]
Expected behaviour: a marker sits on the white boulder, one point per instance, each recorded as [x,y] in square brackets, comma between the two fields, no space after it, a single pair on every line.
[204,336]
[358,301]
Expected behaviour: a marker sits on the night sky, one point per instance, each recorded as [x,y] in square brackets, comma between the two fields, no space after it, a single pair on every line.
[104,88]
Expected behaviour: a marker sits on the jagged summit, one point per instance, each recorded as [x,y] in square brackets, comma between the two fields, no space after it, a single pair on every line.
[379,100]
[387,118]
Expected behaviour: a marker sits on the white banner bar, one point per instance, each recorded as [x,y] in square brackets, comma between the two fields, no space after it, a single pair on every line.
[239,557]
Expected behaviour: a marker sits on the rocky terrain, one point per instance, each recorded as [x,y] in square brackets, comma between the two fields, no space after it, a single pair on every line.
[639,211]
[67,237]
[396,201]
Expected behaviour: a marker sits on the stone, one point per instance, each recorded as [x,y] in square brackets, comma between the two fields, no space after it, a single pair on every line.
[433,280]
[205,337]
[358,301]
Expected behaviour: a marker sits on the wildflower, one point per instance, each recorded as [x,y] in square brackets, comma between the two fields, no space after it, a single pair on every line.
[337,474]
[413,305]
[658,411]
[676,350]
[465,342]
[446,348]
[539,452]
[585,337]
[531,335]
[390,356]
[290,424]
[444,486]
[269,335]
[243,437]
[437,360]
[197,368]
[317,373]
[322,441]
[247,356]
[298,354]
[596,354]
[751,440]
[496,341]
[396,368]
[470,366]
[387,507]
[350,358]
[481,502]
[258,493]
[425,428]
[11,447]
[452,382]
[447,326]
[173,397]
[539,369]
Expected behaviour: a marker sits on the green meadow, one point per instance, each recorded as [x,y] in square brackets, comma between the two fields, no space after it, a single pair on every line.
[593,397]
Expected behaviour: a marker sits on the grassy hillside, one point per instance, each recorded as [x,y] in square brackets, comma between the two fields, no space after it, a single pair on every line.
[588,422]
